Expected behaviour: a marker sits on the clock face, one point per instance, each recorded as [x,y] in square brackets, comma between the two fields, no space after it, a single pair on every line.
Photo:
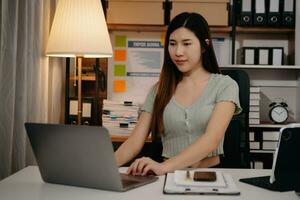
[279,114]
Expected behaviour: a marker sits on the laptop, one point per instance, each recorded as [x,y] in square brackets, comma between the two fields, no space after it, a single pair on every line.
[285,174]
[79,156]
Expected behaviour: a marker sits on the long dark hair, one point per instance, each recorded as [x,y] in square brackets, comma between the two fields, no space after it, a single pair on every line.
[170,75]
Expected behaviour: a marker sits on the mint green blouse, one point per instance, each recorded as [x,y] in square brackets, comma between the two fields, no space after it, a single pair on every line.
[183,125]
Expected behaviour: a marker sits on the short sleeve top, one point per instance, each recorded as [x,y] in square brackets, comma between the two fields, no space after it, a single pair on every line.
[183,125]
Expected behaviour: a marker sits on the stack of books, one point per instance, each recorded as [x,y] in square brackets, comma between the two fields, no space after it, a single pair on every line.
[254,117]
[119,117]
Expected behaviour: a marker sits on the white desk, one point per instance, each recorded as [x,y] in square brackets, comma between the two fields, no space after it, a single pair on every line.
[27,185]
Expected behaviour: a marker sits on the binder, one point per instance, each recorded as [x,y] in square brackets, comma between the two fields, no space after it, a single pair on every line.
[87,111]
[259,17]
[245,13]
[249,55]
[288,13]
[274,13]
[264,56]
[276,54]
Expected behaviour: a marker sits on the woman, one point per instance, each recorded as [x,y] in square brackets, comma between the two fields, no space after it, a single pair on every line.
[190,106]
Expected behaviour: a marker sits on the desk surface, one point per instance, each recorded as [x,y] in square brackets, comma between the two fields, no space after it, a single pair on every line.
[28,185]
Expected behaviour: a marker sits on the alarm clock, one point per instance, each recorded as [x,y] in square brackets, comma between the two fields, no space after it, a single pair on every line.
[278,112]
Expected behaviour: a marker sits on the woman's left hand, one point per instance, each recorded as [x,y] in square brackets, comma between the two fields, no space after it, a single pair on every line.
[144,166]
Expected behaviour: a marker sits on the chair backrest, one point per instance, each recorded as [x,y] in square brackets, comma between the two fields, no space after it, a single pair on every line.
[236,141]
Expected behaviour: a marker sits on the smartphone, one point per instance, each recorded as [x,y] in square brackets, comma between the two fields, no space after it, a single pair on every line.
[205,176]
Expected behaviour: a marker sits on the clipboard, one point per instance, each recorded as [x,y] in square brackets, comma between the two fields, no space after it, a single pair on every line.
[170,187]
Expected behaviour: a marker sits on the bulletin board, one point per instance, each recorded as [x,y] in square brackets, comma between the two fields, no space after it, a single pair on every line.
[135,65]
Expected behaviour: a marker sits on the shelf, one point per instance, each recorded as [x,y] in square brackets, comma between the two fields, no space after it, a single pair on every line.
[158,28]
[277,67]
[261,151]
[220,29]
[213,29]
[267,125]
[84,78]
[278,30]
[137,28]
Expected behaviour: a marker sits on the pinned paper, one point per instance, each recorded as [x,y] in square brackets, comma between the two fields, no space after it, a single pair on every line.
[119,86]
[120,55]
[120,70]
[120,41]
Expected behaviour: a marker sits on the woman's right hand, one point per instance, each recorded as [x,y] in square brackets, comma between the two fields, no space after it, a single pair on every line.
[145,166]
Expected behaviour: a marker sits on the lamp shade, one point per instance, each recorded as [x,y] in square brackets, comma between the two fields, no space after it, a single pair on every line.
[79,29]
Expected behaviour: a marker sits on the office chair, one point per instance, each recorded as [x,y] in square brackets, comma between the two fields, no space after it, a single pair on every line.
[236,141]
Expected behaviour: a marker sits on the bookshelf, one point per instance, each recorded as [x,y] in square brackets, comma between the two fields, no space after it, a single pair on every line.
[265,30]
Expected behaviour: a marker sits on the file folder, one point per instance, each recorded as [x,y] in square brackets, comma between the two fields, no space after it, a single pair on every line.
[263,56]
[246,13]
[249,55]
[288,14]
[274,13]
[259,17]
[276,55]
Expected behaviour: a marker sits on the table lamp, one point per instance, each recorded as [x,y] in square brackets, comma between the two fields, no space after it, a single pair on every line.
[79,30]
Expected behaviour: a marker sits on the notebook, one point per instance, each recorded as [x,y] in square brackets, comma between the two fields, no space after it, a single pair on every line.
[224,185]
[285,174]
[79,156]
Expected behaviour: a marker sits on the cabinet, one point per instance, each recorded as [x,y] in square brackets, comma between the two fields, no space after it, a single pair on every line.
[275,83]
[134,12]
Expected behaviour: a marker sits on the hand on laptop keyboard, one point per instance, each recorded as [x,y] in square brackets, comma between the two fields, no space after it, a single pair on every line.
[145,166]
